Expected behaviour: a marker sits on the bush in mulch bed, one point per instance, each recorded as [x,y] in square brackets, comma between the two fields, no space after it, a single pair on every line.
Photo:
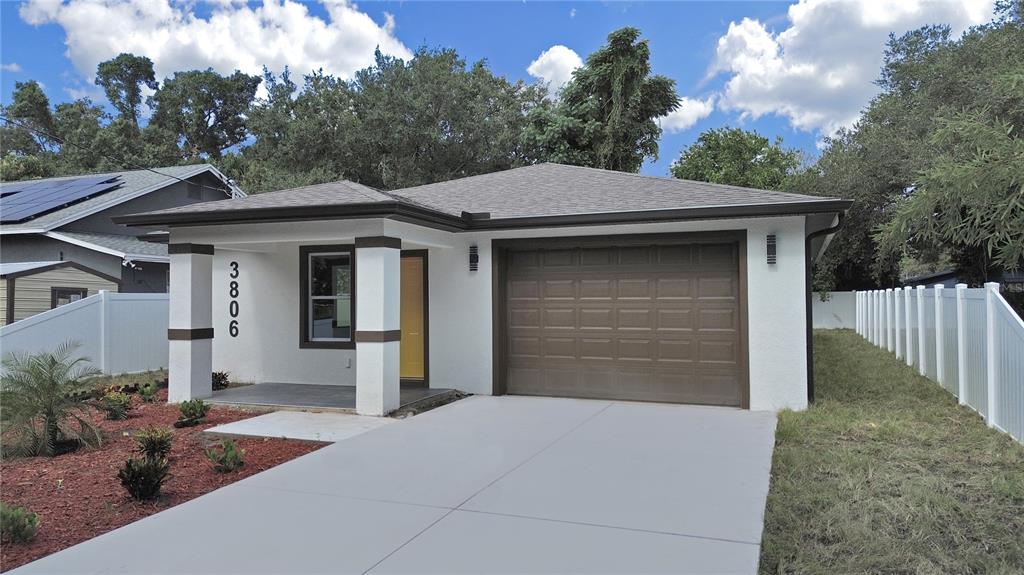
[154,442]
[147,391]
[78,496]
[219,379]
[115,404]
[227,457]
[143,477]
[192,412]
[17,524]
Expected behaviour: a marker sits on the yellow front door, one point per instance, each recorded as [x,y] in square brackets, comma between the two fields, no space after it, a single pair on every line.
[412,319]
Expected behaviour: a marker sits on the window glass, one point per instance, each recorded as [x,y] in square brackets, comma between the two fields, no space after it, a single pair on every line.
[330,297]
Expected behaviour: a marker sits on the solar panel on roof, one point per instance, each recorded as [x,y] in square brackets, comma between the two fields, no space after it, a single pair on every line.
[20,201]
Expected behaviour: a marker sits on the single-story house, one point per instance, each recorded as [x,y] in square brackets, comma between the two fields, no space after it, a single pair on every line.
[543,280]
[68,219]
[29,288]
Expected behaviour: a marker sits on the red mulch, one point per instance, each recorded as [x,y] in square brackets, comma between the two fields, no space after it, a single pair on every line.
[78,495]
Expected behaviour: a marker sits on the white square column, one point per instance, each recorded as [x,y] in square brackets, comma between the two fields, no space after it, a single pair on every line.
[190,325]
[378,330]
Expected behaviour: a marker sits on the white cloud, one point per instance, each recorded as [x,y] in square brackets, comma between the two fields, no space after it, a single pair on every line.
[12,67]
[572,13]
[555,66]
[819,71]
[689,112]
[276,33]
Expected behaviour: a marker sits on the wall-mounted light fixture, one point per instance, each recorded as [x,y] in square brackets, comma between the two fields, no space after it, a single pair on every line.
[474,258]
[771,249]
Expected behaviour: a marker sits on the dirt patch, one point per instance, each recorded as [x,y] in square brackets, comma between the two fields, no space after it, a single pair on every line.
[78,496]
[429,403]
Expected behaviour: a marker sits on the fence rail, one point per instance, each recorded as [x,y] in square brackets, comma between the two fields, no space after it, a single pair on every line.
[118,332]
[968,340]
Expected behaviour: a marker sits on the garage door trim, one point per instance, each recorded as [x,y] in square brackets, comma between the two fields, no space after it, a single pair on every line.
[499,274]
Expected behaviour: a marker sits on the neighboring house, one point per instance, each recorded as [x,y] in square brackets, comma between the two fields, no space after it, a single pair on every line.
[542,280]
[1009,281]
[33,287]
[68,219]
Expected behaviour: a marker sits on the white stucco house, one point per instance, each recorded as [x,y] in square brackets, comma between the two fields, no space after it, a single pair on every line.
[542,280]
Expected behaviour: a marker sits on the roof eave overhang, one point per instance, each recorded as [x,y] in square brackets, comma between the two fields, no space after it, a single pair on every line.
[426,217]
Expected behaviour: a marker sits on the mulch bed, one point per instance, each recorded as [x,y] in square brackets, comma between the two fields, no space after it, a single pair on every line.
[78,495]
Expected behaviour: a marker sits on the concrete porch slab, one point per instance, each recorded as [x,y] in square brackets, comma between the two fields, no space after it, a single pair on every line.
[310,396]
[304,425]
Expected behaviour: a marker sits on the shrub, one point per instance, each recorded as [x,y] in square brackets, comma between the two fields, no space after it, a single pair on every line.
[192,412]
[154,442]
[17,524]
[115,404]
[220,379]
[144,477]
[45,402]
[147,392]
[227,458]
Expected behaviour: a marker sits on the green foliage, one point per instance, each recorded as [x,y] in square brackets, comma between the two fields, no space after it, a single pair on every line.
[147,391]
[154,442]
[115,404]
[143,477]
[122,79]
[17,524]
[607,114]
[202,111]
[220,379]
[227,457]
[44,402]
[192,412]
[737,157]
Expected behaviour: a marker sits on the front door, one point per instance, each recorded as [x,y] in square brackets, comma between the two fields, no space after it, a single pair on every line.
[413,317]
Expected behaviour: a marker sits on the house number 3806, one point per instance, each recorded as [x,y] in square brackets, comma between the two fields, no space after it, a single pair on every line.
[233,303]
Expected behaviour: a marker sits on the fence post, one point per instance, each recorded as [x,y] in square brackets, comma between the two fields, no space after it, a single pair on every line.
[920,331]
[991,373]
[961,345]
[104,347]
[878,318]
[906,324]
[897,294]
[940,345]
[871,316]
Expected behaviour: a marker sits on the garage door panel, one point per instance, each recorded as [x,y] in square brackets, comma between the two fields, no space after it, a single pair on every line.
[645,322]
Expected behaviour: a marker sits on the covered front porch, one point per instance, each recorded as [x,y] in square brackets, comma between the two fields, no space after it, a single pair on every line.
[317,397]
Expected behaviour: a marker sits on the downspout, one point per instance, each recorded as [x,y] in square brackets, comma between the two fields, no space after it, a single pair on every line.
[808,270]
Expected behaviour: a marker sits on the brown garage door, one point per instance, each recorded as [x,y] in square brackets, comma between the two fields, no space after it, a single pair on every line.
[650,322]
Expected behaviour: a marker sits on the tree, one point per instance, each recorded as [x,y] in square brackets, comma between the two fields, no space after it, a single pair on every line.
[737,157]
[122,79]
[30,108]
[45,401]
[606,117]
[202,111]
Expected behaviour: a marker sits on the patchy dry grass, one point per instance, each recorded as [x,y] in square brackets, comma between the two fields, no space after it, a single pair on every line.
[130,379]
[887,474]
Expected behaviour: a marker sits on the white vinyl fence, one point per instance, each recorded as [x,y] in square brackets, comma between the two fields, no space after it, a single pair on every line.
[118,332]
[837,311]
[969,340]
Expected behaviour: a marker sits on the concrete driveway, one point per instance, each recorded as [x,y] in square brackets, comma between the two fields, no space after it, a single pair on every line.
[483,485]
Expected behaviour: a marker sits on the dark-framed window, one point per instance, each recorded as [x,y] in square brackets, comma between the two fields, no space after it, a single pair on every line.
[64,295]
[327,299]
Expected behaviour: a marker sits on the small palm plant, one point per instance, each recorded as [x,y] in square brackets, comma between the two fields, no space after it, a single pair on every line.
[44,402]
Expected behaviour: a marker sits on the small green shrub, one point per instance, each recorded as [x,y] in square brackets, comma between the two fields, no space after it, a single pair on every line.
[192,412]
[143,477]
[227,458]
[154,442]
[147,392]
[220,379]
[17,524]
[115,404]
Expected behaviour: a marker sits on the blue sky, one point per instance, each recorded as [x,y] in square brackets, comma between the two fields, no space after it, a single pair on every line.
[798,71]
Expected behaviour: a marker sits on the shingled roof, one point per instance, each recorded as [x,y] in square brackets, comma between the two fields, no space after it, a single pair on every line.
[542,194]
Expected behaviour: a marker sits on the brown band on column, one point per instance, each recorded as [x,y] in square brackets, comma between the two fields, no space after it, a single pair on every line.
[186,248]
[186,334]
[379,242]
[378,336]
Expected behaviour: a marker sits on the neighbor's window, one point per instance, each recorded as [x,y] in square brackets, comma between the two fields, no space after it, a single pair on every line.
[328,295]
[62,295]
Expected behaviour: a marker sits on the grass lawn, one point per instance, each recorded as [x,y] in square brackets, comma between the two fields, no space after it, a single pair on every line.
[885,473]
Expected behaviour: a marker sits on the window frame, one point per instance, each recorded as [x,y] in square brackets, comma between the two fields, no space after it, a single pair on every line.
[55,290]
[305,297]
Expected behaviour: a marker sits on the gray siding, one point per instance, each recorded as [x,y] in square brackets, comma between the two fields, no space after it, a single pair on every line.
[32,293]
[36,248]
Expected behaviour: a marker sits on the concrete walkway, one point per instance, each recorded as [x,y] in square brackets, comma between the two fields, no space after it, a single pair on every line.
[483,485]
[305,425]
